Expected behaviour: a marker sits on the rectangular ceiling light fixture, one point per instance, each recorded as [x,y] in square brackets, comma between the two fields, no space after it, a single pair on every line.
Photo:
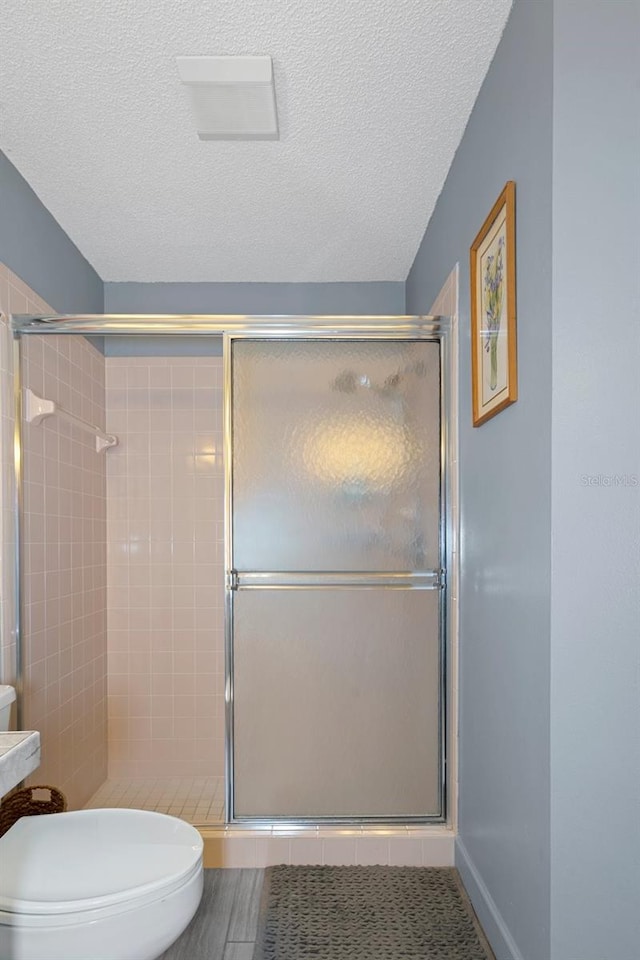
[233,98]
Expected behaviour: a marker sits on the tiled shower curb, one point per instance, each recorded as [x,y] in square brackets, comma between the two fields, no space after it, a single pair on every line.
[403,846]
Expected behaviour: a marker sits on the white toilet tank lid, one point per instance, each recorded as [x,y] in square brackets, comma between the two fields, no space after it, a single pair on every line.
[88,859]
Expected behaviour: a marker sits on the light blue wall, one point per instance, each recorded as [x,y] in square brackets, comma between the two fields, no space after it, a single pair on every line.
[505,492]
[183,346]
[35,246]
[383,298]
[595,622]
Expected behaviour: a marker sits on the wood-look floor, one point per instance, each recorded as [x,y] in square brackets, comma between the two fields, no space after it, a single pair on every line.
[224,928]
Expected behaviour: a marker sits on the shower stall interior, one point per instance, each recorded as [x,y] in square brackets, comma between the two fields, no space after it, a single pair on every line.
[232,603]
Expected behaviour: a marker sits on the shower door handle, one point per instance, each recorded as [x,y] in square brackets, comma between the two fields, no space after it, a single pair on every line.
[275,580]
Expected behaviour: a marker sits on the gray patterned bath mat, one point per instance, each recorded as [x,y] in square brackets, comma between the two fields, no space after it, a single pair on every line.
[367,913]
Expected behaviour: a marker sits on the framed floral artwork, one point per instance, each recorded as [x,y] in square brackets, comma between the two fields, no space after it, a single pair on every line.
[494,368]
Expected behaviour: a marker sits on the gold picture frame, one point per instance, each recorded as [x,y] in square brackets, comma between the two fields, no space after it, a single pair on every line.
[494,366]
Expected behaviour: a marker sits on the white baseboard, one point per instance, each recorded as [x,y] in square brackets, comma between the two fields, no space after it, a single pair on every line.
[498,935]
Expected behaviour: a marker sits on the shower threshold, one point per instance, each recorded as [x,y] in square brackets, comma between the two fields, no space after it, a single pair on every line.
[200,801]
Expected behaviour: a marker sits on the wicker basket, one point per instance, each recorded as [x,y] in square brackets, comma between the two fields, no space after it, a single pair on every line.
[22,803]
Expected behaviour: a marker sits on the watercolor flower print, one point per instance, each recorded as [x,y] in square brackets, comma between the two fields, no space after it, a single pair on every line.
[492,301]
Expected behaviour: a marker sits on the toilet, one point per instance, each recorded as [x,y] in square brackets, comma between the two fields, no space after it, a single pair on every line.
[97,885]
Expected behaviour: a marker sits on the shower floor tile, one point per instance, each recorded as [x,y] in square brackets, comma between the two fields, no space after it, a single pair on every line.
[198,800]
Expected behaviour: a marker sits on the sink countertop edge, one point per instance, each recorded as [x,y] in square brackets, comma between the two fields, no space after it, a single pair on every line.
[19,756]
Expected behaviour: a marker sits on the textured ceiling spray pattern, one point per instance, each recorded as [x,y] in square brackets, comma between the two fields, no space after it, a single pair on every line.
[372,97]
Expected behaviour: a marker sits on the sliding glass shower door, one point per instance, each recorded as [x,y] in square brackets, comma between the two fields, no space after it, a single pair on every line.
[334,586]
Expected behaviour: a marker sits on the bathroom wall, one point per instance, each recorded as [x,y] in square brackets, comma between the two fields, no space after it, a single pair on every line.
[384,297]
[595,612]
[505,498]
[549,842]
[165,567]
[64,629]
[36,249]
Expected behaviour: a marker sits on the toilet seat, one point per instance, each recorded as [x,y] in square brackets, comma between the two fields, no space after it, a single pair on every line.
[88,864]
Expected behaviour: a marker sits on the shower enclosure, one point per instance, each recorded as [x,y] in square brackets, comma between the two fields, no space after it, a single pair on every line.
[335,557]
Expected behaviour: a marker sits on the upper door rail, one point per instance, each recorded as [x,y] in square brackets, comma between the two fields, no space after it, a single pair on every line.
[207,325]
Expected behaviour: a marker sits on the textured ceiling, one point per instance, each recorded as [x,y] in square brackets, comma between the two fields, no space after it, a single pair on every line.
[373,98]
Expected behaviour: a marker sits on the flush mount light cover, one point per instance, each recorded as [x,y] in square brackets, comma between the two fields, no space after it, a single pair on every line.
[233,98]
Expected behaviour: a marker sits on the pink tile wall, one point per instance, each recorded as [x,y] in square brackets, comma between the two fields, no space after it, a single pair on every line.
[65,652]
[165,488]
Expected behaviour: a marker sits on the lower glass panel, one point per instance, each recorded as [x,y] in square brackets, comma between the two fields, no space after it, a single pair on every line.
[336,703]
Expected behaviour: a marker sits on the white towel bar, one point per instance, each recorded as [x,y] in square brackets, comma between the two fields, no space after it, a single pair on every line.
[36,409]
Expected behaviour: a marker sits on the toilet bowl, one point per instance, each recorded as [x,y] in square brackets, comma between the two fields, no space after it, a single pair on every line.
[97,885]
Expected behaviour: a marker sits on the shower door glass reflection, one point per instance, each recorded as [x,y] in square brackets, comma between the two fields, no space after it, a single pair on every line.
[334,590]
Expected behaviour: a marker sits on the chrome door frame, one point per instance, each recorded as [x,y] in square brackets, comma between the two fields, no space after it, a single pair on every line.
[434,329]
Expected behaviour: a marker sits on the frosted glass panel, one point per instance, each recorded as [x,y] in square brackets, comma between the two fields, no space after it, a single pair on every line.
[336,703]
[336,455]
